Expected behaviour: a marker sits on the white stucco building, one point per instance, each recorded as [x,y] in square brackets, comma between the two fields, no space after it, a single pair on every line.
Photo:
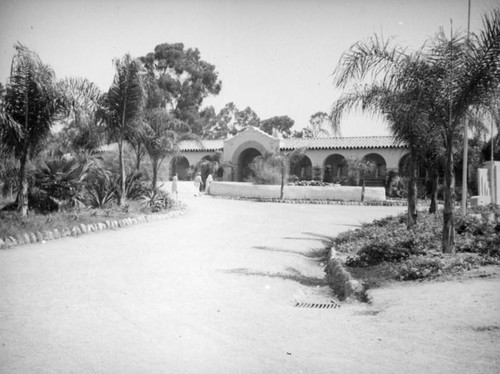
[324,157]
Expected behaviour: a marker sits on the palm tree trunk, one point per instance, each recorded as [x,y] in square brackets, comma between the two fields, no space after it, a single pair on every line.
[434,190]
[448,242]
[282,190]
[22,206]
[138,157]
[412,192]
[363,189]
[121,201]
[155,175]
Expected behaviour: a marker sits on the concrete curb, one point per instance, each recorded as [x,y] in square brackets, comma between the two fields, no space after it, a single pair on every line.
[323,202]
[343,285]
[80,229]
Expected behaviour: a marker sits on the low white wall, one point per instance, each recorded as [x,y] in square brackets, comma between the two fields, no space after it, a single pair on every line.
[250,190]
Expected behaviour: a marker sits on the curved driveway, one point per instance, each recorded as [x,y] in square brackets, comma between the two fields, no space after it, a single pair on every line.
[212,291]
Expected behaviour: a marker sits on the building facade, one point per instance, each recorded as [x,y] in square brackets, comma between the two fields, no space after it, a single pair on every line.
[324,158]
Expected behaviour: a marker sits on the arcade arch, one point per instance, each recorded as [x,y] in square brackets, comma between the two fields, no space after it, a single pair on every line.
[302,168]
[380,168]
[180,165]
[335,167]
[244,160]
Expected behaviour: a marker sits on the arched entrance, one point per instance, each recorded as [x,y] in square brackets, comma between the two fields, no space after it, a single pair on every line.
[376,176]
[335,168]
[180,165]
[244,160]
[301,167]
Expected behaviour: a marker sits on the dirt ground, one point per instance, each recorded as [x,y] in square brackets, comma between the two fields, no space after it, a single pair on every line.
[214,291]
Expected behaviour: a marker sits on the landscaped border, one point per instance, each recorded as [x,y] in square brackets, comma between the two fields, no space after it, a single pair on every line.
[323,202]
[77,230]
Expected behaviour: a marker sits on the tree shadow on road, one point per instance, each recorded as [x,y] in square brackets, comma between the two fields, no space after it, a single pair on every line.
[316,254]
[293,275]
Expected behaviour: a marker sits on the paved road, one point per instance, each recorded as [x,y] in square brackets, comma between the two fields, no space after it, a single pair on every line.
[212,291]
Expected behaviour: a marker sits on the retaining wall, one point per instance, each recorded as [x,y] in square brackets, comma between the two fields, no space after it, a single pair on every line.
[249,190]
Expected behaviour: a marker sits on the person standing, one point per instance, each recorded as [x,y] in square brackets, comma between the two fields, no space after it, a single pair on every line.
[175,191]
[197,184]
[208,181]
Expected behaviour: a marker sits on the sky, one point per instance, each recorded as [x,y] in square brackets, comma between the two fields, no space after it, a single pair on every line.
[276,56]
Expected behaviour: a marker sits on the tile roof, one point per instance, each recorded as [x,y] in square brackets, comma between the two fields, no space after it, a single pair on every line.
[205,145]
[363,142]
[369,142]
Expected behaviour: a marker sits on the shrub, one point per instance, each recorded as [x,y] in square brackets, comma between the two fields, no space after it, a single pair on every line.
[414,251]
[156,202]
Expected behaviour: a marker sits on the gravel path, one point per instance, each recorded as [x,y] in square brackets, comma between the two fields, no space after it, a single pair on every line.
[214,291]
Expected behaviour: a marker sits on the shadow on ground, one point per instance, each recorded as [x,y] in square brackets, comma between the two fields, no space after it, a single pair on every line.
[317,254]
[293,275]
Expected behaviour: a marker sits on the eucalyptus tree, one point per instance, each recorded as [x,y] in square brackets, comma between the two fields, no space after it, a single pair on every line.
[279,124]
[183,80]
[31,104]
[124,105]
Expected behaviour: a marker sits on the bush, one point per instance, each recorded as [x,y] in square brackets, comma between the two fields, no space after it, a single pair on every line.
[156,202]
[415,253]
[421,267]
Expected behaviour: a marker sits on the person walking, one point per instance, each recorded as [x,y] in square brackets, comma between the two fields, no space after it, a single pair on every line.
[175,190]
[197,184]
[208,181]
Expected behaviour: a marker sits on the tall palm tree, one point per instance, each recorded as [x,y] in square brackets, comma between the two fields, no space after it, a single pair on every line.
[442,82]
[469,72]
[31,104]
[124,101]
[398,93]
[83,130]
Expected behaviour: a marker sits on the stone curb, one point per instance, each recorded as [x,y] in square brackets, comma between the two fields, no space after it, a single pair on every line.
[322,202]
[343,285]
[80,229]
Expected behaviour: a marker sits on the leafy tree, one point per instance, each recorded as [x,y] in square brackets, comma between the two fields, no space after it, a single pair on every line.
[208,121]
[31,104]
[320,125]
[182,79]
[246,117]
[281,124]
[125,102]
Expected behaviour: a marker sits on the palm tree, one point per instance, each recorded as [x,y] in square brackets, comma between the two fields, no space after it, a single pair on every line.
[469,72]
[442,83]
[125,101]
[399,93]
[83,130]
[161,136]
[30,106]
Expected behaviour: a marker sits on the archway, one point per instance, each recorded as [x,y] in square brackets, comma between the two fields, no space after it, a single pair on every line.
[380,166]
[301,168]
[244,160]
[180,165]
[335,167]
